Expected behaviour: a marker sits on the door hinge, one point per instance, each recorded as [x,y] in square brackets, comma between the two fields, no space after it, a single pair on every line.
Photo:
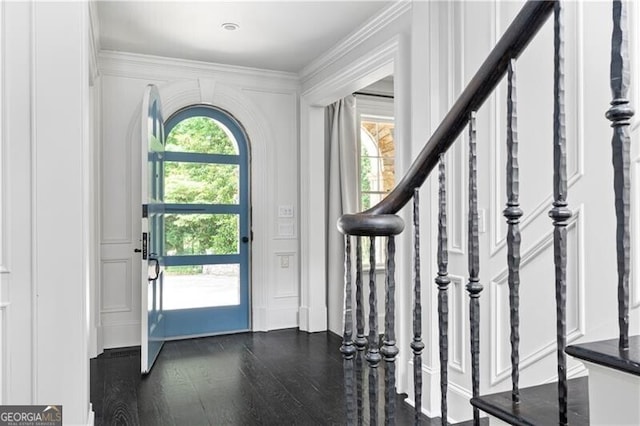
[145,210]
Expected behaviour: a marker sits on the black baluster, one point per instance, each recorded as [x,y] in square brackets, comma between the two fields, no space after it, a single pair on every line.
[348,349]
[373,353]
[416,345]
[442,280]
[473,286]
[560,213]
[620,115]
[512,213]
[389,349]
[361,340]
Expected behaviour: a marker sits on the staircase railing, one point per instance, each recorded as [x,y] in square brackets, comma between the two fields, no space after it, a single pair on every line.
[381,221]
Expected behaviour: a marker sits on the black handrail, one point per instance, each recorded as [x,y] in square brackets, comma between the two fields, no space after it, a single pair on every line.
[522,30]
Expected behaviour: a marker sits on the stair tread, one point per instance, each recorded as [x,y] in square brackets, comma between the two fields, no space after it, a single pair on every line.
[538,404]
[607,353]
[484,421]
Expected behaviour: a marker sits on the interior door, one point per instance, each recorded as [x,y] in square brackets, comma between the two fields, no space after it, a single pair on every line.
[152,291]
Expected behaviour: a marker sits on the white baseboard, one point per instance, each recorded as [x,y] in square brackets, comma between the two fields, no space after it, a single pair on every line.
[459,407]
[91,417]
[312,319]
[259,319]
[282,318]
[96,346]
[121,335]
[430,390]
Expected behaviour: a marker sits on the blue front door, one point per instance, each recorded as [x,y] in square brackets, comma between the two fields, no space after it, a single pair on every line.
[152,319]
[207,233]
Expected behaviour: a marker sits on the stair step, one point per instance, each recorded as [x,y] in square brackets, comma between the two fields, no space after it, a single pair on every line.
[607,354]
[614,380]
[538,404]
[484,421]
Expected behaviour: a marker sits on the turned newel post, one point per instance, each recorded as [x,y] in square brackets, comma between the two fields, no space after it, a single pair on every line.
[620,115]
[373,226]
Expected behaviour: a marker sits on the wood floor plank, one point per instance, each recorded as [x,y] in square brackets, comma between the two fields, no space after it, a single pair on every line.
[284,377]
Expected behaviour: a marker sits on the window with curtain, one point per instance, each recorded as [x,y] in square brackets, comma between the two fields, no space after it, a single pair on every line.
[377,169]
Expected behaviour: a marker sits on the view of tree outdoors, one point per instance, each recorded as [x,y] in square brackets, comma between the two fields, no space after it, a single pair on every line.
[201,183]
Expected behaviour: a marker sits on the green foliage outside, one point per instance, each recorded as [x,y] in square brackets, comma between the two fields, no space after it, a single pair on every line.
[196,183]
[365,183]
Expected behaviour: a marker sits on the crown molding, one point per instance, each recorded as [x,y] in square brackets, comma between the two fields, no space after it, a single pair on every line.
[375,24]
[136,65]
[375,65]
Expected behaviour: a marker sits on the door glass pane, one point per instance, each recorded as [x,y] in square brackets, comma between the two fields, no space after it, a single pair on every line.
[195,234]
[201,183]
[203,135]
[200,286]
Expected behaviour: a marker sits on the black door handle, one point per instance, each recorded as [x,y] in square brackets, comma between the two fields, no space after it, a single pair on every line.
[156,268]
[137,250]
[245,239]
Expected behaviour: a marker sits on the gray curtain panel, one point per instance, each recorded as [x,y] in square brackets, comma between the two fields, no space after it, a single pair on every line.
[343,195]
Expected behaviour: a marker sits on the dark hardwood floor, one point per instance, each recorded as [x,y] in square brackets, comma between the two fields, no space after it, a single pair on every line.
[284,377]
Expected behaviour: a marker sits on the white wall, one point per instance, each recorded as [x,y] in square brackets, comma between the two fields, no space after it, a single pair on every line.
[266,104]
[378,49]
[44,196]
[460,38]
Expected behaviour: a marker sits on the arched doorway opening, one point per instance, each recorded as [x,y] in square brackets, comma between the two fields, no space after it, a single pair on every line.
[206,226]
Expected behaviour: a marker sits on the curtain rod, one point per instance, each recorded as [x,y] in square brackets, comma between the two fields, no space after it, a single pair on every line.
[374,95]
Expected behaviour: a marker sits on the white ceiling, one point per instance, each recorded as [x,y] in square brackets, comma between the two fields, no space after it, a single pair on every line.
[274,35]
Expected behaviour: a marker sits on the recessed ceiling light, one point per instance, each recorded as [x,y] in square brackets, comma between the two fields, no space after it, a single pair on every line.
[230,26]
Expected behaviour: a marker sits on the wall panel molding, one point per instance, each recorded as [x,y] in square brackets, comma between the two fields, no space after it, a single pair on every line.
[456,203]
[286,282]
[634,291]
[123,234]
[497,166]
[117,288]
[456,166]
[457,324]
